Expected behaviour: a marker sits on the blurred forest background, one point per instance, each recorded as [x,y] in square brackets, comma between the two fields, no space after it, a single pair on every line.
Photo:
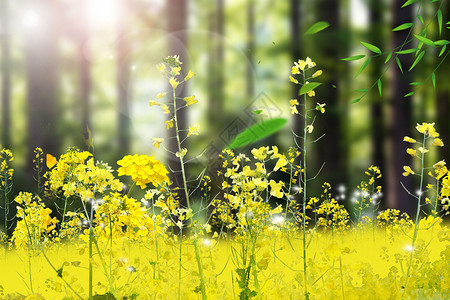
[69,65]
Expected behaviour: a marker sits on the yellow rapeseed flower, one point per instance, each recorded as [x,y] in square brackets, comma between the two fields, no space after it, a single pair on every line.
[189,75]
[411,152]
[409,140]
[408,171]
[261,153]
[437,142]
[427,129]
[143,169]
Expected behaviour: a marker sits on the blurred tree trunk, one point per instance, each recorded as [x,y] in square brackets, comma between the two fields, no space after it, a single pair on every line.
[328,47]
[345,90]
[250,49]
[443,95]
[295,23]
[377,37]
[216,64]
[85,74]
[42,65]
[6,77]
[177,26]
[123,79]
[400,118]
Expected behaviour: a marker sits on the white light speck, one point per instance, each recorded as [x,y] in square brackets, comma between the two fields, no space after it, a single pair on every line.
[278,220]
[207,242]
[30,19]
[409,248]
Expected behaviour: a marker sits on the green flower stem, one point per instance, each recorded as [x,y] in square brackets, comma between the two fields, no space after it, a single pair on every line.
[304,190]
[416,223]
[56,271]
[186,193]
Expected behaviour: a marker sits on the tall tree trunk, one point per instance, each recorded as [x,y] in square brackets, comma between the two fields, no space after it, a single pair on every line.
[443,95]
[177,26]
[400,118]
[85,74]
[250,49]
[123,79]
[329,92]
[6,77]
[216,64]
[378,133]
[43,80]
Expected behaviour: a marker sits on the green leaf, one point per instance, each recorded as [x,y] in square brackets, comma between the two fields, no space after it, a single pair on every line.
[308,87]
[257,132]
[416,83]
[425,40]
[433,80]
[421,19]
[409,94]
[439,19]
[418,58]
[371,47]
[407,51]
[257,111]
[409,2]
[356,101]
[442,42]
[403,27]
[379,86]
[364,65]
[388,57]
[315,28]
[355,57]
[399,64]
[362,90]
[442,50]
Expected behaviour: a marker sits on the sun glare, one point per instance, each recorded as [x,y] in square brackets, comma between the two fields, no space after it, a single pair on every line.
[103,13]
[30,19]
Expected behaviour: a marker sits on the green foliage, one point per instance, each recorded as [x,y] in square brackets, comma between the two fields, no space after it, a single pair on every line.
[315,28]
[257,132]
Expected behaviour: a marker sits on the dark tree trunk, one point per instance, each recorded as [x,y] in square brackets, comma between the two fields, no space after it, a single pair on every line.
[43,80]
[6,77]
[443,95]
[85,74]
[123,79]
[250,49]
[216,64]
[177,26]
[400,118]
[328,149]
[378,133]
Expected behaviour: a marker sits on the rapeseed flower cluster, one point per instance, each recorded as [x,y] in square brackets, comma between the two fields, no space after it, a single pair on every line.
[143,170]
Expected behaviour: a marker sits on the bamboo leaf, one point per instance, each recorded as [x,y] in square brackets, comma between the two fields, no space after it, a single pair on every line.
[425,40]
[442,42]
[364,65]
[407,51]
[371,47]
[362,90]
[379,86]
[257,132]
[355,57]
[433,80]
[409,2]
[308,87]
[388,57]
[356,101]
[403,26]
[315,28]
[442,50]
[421,19]
[416,83]
[409,94]
[418,58]
[439,19]
[399,64]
